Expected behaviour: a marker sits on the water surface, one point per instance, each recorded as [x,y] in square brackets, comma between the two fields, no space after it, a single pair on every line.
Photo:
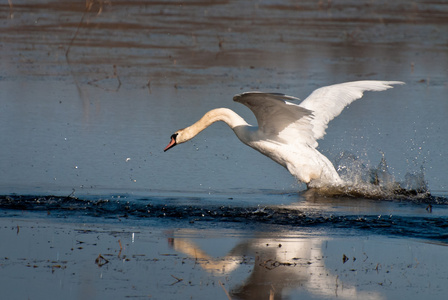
[90,93]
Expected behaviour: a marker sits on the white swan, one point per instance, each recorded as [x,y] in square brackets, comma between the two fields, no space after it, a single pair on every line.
[287,132]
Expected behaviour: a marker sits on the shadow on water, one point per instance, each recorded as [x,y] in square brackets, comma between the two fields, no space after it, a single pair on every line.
[412,217]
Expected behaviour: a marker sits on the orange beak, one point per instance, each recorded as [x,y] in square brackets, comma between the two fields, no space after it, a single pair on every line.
[171,144]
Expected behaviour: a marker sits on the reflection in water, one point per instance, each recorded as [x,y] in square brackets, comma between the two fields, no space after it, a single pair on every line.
[85,87]
[280,267]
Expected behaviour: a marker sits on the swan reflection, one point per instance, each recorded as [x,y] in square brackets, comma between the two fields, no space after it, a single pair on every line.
[278,267]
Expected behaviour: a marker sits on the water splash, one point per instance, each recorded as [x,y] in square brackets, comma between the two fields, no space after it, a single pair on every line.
[376,182]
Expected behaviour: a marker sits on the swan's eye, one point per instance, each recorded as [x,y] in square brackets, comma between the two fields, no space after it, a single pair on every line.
[174,136]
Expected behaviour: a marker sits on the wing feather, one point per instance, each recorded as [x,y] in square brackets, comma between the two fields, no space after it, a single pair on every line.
[278,119]
[286,122]
[326,103]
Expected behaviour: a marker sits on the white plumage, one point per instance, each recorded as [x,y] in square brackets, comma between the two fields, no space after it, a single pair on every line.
[288,132]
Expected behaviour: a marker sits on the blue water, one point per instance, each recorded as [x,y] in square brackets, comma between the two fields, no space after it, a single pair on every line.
[425,218]
[89,96]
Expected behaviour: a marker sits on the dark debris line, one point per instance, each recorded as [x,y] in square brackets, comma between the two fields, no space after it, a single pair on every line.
[426,227]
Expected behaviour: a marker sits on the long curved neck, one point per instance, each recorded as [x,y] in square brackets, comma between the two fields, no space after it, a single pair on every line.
[219,114]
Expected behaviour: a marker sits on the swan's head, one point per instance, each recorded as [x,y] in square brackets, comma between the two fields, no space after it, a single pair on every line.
[178,137]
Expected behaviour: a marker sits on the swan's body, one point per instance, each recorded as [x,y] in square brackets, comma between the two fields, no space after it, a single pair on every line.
[287,132]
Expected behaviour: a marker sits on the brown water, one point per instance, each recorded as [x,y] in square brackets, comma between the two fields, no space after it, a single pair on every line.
[90,92]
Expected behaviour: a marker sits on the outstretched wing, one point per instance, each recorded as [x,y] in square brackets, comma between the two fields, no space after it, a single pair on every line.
[278,119]
[326,103]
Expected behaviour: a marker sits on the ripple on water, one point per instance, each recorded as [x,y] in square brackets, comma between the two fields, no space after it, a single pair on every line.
[203,211]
